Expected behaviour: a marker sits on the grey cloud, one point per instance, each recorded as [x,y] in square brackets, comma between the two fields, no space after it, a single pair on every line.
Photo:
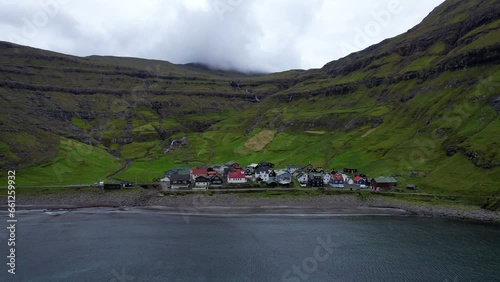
[248,35]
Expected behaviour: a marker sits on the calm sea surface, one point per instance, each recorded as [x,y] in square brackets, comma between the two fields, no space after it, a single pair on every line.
[107,245]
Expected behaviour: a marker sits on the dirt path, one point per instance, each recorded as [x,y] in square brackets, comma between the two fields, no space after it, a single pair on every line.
[124,167]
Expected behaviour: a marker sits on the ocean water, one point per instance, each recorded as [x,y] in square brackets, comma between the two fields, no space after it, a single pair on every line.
[138,245]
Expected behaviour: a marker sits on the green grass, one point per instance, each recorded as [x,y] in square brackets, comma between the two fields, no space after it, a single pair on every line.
[136,150]
[420,64]
[36,191]
[80,123]
[77,163]
[385,65]
[437,48]
[489,38]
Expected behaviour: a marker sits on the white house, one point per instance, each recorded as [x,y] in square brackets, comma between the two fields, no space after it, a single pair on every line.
[327,178]
[165,183]
[262,173]
[302,178]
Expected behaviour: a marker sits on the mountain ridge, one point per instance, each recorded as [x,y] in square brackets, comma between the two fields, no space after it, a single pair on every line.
[423,102]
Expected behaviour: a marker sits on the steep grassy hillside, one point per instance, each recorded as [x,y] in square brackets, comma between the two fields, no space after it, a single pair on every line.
[423,105]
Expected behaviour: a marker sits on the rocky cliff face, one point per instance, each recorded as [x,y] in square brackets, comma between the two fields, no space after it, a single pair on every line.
[449,24]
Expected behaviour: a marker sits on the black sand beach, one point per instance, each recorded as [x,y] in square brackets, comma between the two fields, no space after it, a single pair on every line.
[236,203]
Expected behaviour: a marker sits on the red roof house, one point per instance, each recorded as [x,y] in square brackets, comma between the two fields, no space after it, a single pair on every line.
[338,177]
[195,172]
[199,171]
[360,180]
[238,176]
[338,180]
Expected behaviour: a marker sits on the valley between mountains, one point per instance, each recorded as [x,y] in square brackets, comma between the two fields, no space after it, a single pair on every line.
[422,106]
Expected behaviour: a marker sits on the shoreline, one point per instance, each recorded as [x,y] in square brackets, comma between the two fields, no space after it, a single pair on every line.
[218,211]
[244,204]
[231,210]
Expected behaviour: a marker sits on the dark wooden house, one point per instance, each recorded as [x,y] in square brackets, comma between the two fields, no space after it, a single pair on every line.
[316,180]
[383,183]
[111,186]
[266,164]
[350,170]
[201,182]
[216,181]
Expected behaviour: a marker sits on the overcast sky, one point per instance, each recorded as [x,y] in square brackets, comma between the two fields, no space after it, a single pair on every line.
[248,35]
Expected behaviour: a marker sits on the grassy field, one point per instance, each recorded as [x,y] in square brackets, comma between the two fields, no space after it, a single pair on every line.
[77,163]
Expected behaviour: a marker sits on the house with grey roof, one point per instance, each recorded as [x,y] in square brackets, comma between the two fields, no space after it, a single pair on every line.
[283,177]
[293,168]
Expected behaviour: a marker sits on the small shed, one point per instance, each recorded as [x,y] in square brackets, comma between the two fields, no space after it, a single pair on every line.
[411,186]
[266,164]
[165,183]
[111,186]
[350,170]
[128,184]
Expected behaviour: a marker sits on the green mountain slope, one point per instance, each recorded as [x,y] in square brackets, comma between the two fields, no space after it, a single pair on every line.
[423,105]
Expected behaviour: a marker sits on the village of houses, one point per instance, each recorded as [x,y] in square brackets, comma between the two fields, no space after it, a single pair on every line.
[264,174]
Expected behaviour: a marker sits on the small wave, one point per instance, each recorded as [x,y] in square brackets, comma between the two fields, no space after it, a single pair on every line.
[54,213]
